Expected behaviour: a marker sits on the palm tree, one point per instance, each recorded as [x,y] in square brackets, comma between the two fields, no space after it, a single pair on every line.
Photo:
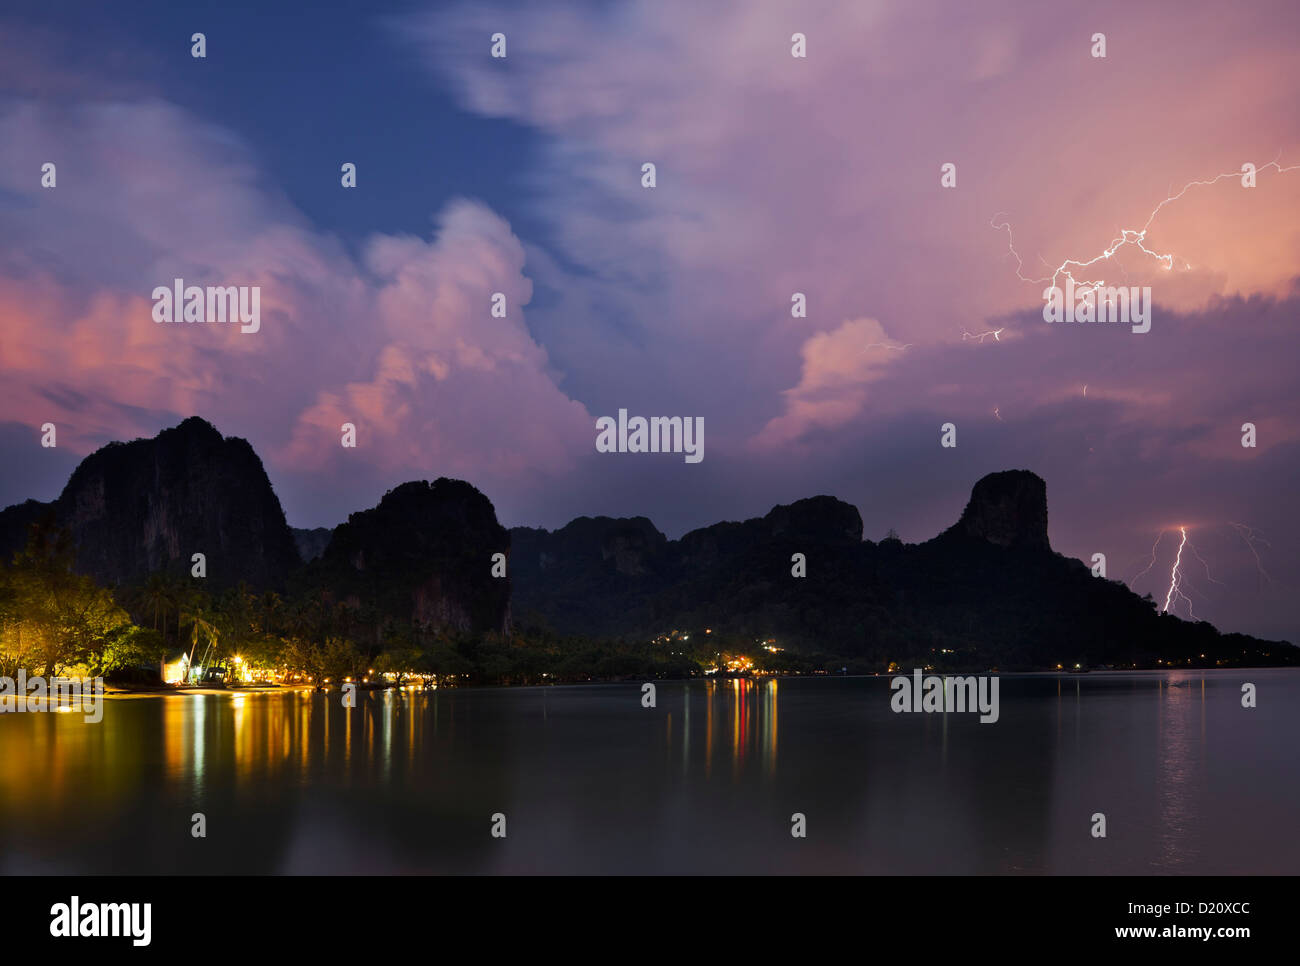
[156,595]
[272,604]
[201,625]
[236,611]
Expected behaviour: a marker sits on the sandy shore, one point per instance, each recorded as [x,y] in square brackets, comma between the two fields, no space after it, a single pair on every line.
[167,692]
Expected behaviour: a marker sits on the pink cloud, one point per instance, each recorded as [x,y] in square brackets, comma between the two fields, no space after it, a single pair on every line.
[402,344]
[778,175]
[832,390]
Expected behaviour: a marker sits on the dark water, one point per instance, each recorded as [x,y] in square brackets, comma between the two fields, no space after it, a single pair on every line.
[591,782]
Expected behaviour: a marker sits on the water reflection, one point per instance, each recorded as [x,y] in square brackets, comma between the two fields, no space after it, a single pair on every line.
[745,709]
[705,781]
[1180,761]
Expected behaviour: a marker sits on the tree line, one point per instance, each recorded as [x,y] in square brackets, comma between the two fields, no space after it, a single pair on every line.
[55,621]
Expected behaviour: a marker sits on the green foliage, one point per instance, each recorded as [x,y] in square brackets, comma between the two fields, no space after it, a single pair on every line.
[131,648]
[951,604]
[51,619]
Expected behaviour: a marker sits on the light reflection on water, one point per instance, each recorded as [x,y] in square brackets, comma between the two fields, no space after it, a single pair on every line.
[1182,763]
[707,781]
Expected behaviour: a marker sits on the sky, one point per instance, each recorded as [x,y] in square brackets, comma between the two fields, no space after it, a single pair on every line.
[775,175]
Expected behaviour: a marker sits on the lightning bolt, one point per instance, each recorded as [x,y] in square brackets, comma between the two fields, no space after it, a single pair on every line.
[1250,536]
[1208,576]
[1176,579]
[1147,569]
[1127,236]
[1181,589]
[1180,586]
[1136,237]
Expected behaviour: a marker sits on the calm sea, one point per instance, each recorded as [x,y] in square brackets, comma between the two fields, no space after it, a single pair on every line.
[589,781]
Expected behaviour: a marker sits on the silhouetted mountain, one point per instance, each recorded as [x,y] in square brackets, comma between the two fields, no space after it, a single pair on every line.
[423,556]
[149,505]
[624,579]
[989,591]
[1007,509]
[311,543]
[16,521]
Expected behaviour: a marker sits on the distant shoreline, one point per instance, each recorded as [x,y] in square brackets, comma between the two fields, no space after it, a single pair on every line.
[165,691]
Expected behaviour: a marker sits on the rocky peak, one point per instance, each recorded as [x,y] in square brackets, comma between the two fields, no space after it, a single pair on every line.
[821,519]
[424,554]
[1007,509]
[148,505]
